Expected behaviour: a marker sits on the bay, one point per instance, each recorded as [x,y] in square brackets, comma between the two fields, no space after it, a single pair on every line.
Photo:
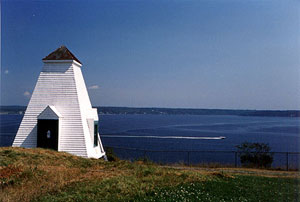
[281,133]
[186,133]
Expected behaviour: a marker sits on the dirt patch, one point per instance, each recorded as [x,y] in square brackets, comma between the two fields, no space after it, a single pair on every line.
[9,171]
[241,171]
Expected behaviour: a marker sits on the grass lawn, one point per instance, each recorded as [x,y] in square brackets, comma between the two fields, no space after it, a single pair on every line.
[45,175]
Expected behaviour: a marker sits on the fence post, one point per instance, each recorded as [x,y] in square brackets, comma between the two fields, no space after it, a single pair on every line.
[188,158]
[235,159]
[287,161]
[144,155]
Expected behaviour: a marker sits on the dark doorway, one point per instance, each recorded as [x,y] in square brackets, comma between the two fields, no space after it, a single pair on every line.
[47,134]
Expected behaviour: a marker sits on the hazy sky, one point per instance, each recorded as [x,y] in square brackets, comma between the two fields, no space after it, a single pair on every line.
[193,54]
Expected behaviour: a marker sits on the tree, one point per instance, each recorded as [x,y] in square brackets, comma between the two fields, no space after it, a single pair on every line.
[255,154]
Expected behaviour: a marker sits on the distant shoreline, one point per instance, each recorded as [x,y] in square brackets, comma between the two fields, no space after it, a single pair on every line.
[172,111]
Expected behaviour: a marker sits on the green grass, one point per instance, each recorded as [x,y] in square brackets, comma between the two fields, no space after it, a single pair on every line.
[239,188]
[45,175]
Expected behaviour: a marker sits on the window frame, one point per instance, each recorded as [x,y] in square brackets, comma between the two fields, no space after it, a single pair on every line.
[96,125]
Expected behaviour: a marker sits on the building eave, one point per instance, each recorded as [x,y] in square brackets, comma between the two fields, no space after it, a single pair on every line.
[63,61]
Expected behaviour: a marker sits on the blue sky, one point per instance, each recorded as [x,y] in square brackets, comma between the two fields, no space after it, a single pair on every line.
[193,54]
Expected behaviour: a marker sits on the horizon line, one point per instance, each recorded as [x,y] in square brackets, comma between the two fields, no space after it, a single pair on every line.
[191,108]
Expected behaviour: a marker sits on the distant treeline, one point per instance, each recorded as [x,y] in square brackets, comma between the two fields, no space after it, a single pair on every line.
[12,109]
[132,110]
[129,110]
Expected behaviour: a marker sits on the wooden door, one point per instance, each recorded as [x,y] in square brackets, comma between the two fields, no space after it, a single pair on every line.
[47,134]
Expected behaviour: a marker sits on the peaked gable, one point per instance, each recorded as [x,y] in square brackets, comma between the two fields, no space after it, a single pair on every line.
[50,112]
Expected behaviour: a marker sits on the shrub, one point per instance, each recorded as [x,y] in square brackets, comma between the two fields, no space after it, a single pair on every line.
[111,156]
[255,154]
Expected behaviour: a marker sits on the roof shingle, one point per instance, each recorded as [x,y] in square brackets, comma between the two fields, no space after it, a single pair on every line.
[61,53]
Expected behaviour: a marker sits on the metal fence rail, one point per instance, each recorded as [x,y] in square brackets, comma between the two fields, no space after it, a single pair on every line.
[281,160]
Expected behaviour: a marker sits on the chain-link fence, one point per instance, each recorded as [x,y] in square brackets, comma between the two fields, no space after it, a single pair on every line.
[281,160]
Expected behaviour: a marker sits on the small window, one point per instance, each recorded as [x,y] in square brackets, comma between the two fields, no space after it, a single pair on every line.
[95,133]
[48,134]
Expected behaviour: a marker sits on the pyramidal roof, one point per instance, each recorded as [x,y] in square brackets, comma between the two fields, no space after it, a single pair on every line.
[61,53]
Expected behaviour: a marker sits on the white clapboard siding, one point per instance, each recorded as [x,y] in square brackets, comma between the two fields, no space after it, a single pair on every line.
[61,85]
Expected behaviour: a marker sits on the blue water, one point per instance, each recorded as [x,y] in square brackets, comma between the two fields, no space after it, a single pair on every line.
[9,125]
[185,132]
[281,133]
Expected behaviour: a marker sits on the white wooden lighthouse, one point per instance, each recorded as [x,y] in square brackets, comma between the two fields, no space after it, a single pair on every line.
[59,115]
